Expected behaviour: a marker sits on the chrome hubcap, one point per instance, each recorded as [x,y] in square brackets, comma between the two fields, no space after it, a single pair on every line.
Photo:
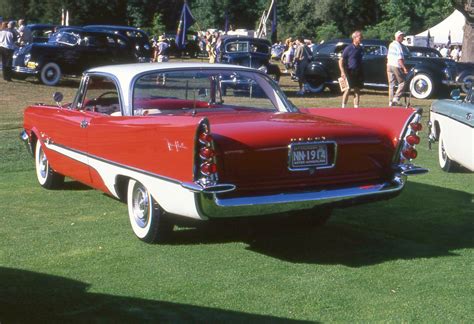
[141,206]
[443,152]
[421,86]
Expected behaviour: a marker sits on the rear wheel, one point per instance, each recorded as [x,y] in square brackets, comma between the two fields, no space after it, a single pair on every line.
[147,218]
[422,86]
[445,162]
[47,177]
[315,85]
[50,74]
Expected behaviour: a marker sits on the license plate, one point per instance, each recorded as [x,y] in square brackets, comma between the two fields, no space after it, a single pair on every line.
[308,155]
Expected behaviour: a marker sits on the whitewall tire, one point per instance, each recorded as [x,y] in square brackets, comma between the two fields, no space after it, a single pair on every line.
[445,162]
[467,82]
[147,218]
[47,177]
[50,74]
[422,86]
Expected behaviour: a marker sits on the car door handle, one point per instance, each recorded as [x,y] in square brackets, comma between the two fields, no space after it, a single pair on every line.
[84,123]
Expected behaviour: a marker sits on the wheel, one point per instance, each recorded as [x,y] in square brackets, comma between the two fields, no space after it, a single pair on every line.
[50,74]
[467,83]
[445,162]
[422,86]
[47,177]
[148,220]
[315,85]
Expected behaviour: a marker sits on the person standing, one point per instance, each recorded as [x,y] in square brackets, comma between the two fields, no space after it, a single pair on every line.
[26,36]
[162,49]
[350,65]
[302,58]
[396,69]
[7,45]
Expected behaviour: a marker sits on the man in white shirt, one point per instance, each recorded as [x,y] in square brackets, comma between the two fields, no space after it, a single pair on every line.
[396,69]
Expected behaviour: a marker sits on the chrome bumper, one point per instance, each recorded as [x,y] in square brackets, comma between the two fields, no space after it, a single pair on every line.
[212,206]
[452,83]
[24,70]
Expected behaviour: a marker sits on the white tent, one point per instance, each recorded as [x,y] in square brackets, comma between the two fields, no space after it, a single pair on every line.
[454,24]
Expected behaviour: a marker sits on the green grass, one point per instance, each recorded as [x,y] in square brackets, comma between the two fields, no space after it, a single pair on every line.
[70,255]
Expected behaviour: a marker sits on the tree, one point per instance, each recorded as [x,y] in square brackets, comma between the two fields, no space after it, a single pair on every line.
[467,9]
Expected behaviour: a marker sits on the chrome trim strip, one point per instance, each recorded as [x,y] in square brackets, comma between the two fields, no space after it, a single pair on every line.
[24,70]
[410,169]
[212,206]
[217,188]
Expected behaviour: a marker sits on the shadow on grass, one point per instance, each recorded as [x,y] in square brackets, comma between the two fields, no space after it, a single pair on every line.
[423,222]
[34,297]
[75,186]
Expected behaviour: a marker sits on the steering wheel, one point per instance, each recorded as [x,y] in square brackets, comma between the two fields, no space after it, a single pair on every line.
[105,94]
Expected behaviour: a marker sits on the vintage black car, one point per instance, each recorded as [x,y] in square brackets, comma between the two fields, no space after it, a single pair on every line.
[247,51]
[424,51]
[138,39]
[71,51]
[191,47]
[428,76]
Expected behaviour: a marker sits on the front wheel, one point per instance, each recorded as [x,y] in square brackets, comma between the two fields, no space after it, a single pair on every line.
[50,74]
[445,162]
[422,86]
[47,177]
[467,83]
[148,220]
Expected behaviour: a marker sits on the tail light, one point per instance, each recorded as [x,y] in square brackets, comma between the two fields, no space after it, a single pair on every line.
[206,163]
[411,138]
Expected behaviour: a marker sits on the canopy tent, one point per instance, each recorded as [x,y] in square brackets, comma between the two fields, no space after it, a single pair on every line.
[454,24]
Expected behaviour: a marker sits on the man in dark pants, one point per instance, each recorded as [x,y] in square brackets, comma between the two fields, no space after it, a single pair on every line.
[7,45]
[350,65]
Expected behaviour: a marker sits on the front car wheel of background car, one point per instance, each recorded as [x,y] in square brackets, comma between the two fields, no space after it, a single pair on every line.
[467,83]
[422,86]
[50,74]
[314,85]
[445,162]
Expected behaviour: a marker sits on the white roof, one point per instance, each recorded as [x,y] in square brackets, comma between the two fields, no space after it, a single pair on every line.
[454,24]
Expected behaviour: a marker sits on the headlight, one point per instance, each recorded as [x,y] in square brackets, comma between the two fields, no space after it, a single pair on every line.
[146,46]
[263,68]
[27,58]
[137,47]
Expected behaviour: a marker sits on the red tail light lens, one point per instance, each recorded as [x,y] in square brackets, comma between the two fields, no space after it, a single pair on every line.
[416,127]
[207,153]
[208,168]
[413,139]
[410,153]
[205,138]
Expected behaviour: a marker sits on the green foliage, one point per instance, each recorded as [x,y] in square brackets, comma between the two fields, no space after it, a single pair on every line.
[327,31]
[158,27]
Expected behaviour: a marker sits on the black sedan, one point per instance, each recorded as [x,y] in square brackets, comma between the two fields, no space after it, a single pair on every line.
[71,51]
[428,75]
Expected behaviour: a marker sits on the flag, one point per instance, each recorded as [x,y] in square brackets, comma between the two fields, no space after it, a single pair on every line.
[226,24]
[428,39]
[273,35]
[449,39]
[185,21]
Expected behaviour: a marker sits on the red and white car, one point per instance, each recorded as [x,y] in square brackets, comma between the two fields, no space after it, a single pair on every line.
[210,141]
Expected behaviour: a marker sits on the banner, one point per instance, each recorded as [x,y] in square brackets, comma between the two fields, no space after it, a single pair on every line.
[185,21]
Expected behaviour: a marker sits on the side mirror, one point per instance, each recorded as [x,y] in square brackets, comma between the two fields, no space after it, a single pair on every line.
[58,97]
[455,94]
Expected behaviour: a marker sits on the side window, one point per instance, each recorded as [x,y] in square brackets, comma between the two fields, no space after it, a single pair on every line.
[326,49]
[100,95]
[376,50]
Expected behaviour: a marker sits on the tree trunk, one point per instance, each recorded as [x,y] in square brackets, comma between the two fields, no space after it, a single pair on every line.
[468,43]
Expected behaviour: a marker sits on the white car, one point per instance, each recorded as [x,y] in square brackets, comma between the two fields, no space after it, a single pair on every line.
[452,124]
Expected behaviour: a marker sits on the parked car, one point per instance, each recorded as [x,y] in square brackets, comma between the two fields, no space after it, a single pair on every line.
[137,37]
[191,48]
[452,125]
[277,51]
[248,51]
[164,138]
[428,77]
[71,51]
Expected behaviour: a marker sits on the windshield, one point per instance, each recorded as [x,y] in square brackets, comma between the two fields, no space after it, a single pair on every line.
[174,92]
[246,47]
[65,38]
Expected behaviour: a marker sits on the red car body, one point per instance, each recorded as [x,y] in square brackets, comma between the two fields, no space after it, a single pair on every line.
[208,160]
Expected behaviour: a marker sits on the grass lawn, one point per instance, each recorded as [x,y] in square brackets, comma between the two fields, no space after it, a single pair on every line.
[70,255]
